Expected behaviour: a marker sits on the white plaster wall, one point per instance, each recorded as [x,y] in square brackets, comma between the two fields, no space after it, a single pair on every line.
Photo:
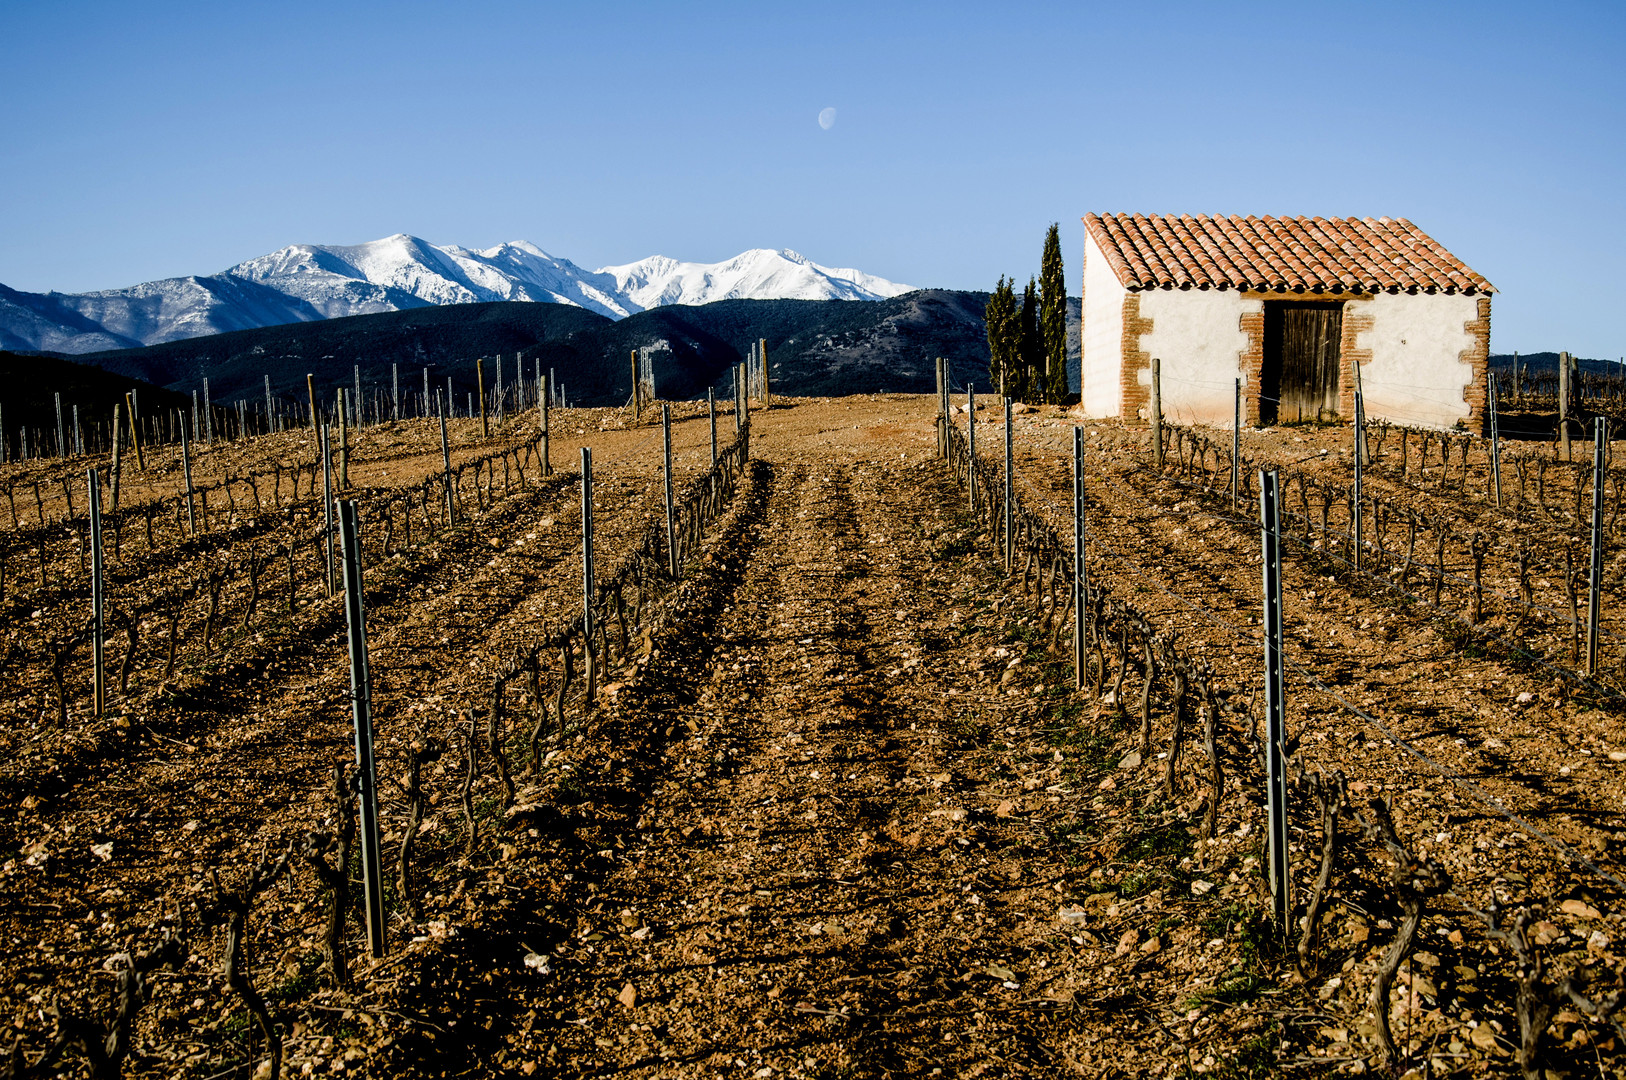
[1197,335]
[1101,342]
[1416,375]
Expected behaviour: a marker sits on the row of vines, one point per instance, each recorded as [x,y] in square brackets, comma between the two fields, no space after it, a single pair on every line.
[484,748]
[1150,681]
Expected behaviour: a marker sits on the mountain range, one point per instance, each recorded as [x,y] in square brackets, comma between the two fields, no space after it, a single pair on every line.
[815,347]
[311,282]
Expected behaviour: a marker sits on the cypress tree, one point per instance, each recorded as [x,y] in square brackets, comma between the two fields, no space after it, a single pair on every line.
[1000,319]
[1031,385]
[1053,317]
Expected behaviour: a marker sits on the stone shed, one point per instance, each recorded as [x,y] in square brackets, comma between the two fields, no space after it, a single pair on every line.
[1294,306]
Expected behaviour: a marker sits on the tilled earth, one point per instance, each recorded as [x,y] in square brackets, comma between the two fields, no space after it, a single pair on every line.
[839,812]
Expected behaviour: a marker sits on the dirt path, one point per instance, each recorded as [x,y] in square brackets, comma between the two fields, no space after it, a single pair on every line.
[831,836]
[757,860]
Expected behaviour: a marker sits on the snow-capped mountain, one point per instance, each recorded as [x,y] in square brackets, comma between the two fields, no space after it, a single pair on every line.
[757,274]
[306,282]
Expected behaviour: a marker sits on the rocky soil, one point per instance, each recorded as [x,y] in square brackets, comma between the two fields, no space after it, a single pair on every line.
[837,811]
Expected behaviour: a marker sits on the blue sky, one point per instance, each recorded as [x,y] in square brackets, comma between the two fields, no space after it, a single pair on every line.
[149,140]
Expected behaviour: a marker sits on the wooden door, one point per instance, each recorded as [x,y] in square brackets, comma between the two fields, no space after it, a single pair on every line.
[1301,359]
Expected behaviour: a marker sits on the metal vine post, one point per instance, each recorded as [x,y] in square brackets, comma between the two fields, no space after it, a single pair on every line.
[547,404]
[446,462]
[1270,522]
[1236,446]
[587,566]
[1495,440]
[361,709]
[1355,493]
[98,599]
[327,507]
[1080,582]
[671,522]
[971,447]
[1005,519]
[1595,584]
[186,473]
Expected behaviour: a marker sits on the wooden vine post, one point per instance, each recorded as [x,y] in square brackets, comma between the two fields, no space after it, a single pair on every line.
[637,399]
[1157,414]
[118,465]
[1270,523]
[480,389]
[711,412]
[310,392]
[942,410]
[762,356]
[1564,404]
[361,710]
[446,463]
[135,438]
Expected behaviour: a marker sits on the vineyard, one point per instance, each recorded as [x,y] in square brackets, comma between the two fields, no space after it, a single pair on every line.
[824,785]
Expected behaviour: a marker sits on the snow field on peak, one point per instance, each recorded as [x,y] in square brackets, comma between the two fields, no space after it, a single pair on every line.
[323,281]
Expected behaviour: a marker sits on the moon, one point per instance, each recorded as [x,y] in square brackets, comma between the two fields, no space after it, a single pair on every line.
[827,118]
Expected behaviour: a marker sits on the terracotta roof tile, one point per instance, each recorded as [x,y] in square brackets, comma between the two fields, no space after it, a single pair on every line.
[1270,254]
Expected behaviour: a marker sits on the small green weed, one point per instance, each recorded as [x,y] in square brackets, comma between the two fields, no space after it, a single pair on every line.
[1136,882]
[954,548]
[1254,1059]
[300,985]
[1072,838]
[1235,987]
[1250,927]
[1164,842]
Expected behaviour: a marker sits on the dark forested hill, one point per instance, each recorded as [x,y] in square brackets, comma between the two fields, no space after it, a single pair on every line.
[30,382]
[1548,361]
[443,339]
[815,347]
